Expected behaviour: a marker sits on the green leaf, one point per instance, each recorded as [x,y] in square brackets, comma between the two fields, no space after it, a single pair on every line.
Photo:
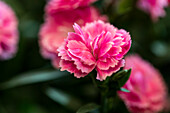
[63,98]
[58,96]
[124,78]
[119,75]
[124,90]
[32,77]
[87,108]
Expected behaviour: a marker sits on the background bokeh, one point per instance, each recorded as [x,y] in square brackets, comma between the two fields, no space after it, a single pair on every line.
[66,94]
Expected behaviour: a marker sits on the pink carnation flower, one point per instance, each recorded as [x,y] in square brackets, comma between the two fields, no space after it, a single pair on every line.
[8,32]
[154,7]
[147,88]
[54,6]
[55,29]
[97,45]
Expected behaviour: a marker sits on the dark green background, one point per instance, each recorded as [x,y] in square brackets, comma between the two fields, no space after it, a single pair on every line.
[150,40]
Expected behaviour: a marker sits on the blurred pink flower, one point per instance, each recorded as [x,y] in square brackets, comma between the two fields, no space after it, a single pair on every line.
[147,88]
[54,6]
[56,27]
[8,32]
[154,7]
[97,45]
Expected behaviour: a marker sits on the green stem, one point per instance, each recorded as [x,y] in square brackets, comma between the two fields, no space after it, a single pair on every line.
[94,81]
[108,99]
[108,93]
[104,103]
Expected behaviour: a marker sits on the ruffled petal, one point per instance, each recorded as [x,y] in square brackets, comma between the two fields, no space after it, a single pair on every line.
[96,45]
[71,67]
[102,74]
[84,67]
[63,53]
[106,65]
[79,50]
[74,36]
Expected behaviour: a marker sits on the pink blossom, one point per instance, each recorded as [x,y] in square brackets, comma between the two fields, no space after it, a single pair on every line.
[97,45]
[154,7]
[8,32]
[54,6]
[147,88]
[55,29]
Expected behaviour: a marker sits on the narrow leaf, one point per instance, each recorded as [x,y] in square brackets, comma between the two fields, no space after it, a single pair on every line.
[87,108]
[63,98]
[58,96]
[32,77]
[124,78]
[119,75]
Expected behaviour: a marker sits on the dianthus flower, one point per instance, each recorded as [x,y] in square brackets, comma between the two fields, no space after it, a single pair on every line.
[154,7]
[97,45]
[8,32]
[54,6]
[147,88]
[55,29]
